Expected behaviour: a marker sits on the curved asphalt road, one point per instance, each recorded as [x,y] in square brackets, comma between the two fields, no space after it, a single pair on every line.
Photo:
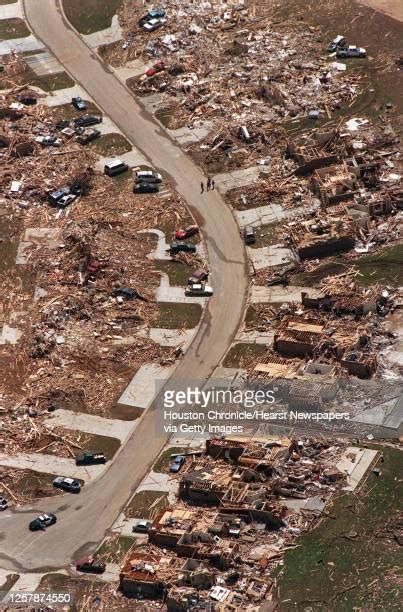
[84,519]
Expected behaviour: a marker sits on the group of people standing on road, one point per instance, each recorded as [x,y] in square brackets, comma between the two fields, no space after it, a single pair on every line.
[210,185]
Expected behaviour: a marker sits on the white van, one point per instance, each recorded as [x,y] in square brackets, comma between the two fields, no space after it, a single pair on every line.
[115,167]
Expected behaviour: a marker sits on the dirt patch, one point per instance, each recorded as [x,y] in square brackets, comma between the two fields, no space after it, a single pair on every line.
[393,8]
[146,504]
[243,354]
[24,486]
[13,28]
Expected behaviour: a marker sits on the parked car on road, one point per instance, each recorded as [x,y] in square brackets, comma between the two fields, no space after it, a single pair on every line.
[114,167]
[3,504]
[88,458]
[67,484]
[181,247]
[154,24]
[199,289]
[43,521]
[351,51]
[249,235]
[182,234]
[89,564]
[87,120]
[78,103]
[141,527]
[88,136]
[145,187]
[148,176]
[336,43]
[177,463]
[198,276]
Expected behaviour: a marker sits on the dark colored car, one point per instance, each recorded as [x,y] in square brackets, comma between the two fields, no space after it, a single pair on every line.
[63,124]
[145,187]
[249,235]
[90,458]
[87,120]
[67,484]
[3,504]
[90,565]
[78,103]
[177,464]
[43,521]
[88,136]
[57,195]
[28,99]
[351,51]
[141,527]
[129,294]
[182,234]
[198,276]
[181,247]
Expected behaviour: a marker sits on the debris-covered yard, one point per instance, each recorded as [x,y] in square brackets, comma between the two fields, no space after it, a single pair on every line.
[79,280]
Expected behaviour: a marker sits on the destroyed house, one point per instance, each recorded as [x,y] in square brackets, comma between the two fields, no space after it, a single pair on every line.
[358,363]
[317,152]
[298,338]
[319,238]
[200,486]
[189,535]
[200,544]
[357,303]
[334,184]
[224,449]
[169,525]
[144,574]
[184,599]
[197,574]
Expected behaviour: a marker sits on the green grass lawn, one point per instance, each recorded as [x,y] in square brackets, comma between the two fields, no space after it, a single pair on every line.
[90,16]
[111,144]
[178,316]
[266,235]
[178,271]
[351,560]
[13,28]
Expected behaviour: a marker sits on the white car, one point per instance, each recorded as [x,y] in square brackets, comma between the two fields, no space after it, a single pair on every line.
[199,289]
[148,176]
[154,24]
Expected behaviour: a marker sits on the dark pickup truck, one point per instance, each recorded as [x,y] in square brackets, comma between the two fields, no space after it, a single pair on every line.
[88,458]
